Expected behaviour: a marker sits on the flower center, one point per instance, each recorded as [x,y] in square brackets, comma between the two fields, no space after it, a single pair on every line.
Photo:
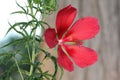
[60,42]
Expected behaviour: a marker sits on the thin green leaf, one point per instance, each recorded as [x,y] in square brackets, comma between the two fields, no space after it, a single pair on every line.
[13,27]
[21,7]
[47,54]
[55,66]
[19,32]
[6,54]
[13,42]
[19,23]
[18,12]
[42,22]
[22,12]
[32,31]
[25,32]
[9,29]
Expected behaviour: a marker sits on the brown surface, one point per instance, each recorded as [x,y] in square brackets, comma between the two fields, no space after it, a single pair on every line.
[106,43]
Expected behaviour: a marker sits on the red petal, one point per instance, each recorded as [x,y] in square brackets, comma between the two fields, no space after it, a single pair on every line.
[50,37]
[82,56]
[83,29]
[63,60]
[64,19]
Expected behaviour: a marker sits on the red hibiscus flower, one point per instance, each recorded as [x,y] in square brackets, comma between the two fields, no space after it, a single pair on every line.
[69,39]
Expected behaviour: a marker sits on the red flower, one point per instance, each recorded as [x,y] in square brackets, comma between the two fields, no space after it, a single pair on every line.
[69,39]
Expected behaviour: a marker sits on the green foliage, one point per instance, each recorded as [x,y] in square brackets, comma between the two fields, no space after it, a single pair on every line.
[46,6]
[22,59]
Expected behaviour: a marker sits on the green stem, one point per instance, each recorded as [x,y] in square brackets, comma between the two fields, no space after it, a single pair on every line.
[33,45]
[32,61]
[28,50]
[62,72]
[19,69]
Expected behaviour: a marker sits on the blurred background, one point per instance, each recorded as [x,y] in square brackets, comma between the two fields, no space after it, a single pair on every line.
[106,43]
